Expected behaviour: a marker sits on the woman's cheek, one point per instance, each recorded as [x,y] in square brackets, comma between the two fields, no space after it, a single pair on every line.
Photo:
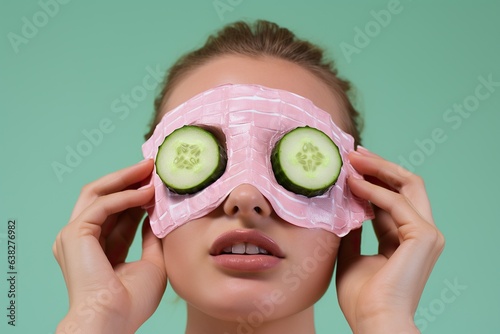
[311,271]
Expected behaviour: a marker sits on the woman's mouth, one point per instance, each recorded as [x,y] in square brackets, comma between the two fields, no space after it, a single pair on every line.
[246,250]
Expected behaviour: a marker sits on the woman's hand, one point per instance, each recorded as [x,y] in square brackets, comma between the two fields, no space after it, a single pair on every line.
[380,293]
[107,295]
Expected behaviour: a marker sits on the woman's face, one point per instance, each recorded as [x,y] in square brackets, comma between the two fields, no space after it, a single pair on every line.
[298,266]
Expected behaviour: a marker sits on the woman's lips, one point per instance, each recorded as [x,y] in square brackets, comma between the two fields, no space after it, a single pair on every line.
[246,250]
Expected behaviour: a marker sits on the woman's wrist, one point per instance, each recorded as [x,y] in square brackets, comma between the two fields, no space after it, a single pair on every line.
[394,324]
[74,323]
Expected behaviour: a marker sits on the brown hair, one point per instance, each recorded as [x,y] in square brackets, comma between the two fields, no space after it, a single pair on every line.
[263,38]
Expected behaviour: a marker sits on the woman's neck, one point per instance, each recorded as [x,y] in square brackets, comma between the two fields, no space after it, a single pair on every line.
[298,323]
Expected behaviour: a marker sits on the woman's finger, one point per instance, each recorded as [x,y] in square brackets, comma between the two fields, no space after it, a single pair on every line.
[147,272]
[363,150]
[92,218]
[386,231]
[393,203]
[112,183]
[152,249]
[383,225]
[81,239]
[350,244]
[120,239]
[56,250]
[407,184]
[411,225]
[349,252]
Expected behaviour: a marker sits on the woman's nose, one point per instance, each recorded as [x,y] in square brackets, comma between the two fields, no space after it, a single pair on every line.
[246,201]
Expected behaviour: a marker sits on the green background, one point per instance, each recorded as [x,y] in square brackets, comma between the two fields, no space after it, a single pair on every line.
[66,76]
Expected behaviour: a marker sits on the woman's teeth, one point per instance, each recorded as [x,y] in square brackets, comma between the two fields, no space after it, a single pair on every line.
[244,248]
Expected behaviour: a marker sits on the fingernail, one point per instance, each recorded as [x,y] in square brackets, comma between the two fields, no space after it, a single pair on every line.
[362,149]
[367,152]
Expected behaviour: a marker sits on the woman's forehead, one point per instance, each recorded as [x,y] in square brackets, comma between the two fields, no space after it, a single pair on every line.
[266,71]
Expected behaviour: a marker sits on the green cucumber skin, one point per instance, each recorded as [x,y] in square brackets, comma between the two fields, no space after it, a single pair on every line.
[217,173]
[288,184]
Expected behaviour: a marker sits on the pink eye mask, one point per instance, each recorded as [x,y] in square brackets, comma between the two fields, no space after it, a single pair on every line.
[253,118]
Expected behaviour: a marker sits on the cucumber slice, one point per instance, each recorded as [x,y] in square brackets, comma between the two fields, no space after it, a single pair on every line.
[190,159]
[306,161]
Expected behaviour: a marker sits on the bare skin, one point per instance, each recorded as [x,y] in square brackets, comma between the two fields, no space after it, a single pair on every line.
[376,293]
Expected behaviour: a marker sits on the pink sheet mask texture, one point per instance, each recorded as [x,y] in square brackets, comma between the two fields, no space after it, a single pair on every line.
[253,118]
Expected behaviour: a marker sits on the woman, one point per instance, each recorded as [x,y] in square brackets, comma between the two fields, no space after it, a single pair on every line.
[376,293]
